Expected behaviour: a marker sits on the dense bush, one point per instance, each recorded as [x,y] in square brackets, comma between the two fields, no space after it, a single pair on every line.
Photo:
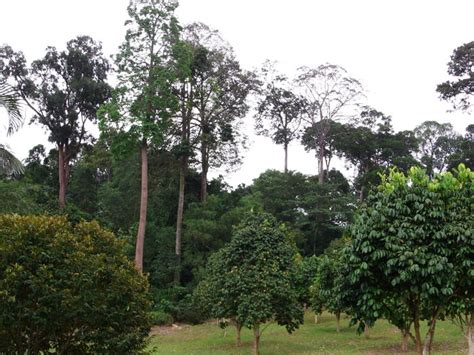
[161,318]
[68,288]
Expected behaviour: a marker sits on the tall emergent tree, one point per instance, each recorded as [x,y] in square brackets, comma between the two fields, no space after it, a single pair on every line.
[144,103]
[279,110]
[331,96]
[220,89]
[254,281]
[64,90]
[461,65]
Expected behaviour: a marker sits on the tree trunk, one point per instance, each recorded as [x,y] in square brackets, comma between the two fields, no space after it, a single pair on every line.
[62,172]
[179,218]
[418,345]
[470,334]
[204,171]
[405,337]
[238,327]
[338,322]
[429,338]
[321,167]
[285,147]
[143,208]
[316,319]
[366,331]
[256,343]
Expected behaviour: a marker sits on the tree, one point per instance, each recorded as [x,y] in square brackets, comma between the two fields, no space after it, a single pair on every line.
[437,141]
[64,90]
[252,279]
[220,88]
[461,66]
[412,243]
[71,289]
[279,110]
[330,95]
[144,103]
[10,101]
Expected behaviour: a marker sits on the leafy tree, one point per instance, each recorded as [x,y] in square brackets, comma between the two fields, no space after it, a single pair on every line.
[64,90]
[331,94]
[437,141]
[411,246]
[220,89]
[10,101]
[461,66]
[463,150]
[68,288]
[328,282]
[140,112]
[279,110]
[252,279]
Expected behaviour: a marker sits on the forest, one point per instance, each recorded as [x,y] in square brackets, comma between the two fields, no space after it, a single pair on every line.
[126,223]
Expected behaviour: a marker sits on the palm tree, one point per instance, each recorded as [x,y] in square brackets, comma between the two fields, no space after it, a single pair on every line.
[10,101]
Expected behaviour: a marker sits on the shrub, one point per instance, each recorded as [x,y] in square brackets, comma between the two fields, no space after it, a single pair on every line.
[68,288]
[161,318]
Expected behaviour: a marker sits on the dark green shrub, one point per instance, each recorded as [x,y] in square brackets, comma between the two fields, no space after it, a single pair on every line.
[68,288]
[161,318]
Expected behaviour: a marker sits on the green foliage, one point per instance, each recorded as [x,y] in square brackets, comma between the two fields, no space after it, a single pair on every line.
[459,92]
[252,279]
[68,288]
[161,318]
[307,269]
[412,248]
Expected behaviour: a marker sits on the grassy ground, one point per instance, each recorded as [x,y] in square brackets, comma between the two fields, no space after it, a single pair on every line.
[311,338]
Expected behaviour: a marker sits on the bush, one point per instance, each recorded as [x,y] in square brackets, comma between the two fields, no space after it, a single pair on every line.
[161,318]
[68,288]
[188,311]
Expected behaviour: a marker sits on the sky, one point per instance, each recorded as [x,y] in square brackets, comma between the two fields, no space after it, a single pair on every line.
[397,49]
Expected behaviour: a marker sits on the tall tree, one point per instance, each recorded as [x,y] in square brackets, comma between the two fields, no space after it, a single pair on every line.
[437,141]
[144,102]
[221,88]
[279,110]
[461,65]
[331,95]
[64,90]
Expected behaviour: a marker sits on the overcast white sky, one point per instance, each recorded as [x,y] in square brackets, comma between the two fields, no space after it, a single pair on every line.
[397,49]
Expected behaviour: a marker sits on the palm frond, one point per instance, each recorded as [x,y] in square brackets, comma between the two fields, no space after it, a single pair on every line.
[10,100]
[9,164]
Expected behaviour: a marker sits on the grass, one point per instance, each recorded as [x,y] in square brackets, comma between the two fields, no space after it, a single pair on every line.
[311,338]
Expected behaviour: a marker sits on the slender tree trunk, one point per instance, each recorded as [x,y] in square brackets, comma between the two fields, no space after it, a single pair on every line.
[338,322]
[405,337]
[429,336]
[321,167]
[316,319]
[366,331]
[256,343]
[143,208]
[285,147]
[470,334]
[179,218]
[62,161]
[418,345]
[204,171]
[238,327]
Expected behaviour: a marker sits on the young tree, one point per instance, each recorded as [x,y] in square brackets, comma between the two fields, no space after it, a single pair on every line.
[68,288]
[411,246]
[144,103]
[279,110]
[64,90]
[254,282]
[461,66]
[331,96]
